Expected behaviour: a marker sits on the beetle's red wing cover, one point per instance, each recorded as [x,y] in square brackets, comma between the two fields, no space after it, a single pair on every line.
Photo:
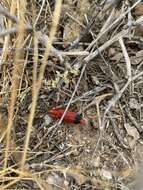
[70,117]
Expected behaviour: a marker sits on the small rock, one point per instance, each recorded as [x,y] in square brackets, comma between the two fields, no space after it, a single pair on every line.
[106,174]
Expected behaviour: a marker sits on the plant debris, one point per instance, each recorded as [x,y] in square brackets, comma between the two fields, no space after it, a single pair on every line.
[65,63]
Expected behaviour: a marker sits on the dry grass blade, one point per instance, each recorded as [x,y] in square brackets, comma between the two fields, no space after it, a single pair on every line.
[7,38]
[56,17]
[120,93]
[127,59]
[83,58]
[17,68]
[11,183]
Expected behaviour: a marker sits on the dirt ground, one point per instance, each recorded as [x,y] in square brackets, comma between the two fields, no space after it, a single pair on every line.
[94,66]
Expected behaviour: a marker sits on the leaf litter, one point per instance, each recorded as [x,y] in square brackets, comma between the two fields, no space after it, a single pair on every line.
[94,68]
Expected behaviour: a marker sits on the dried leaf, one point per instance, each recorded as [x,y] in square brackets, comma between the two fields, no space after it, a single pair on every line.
[139,10]
[133,134]
[132,131]
[106,174]
[133,103]
[47,120]
[117,57]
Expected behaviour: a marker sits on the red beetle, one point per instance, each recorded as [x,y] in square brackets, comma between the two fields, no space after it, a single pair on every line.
[70,117]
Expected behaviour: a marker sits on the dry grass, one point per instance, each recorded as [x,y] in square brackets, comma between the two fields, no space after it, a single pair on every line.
[85,56]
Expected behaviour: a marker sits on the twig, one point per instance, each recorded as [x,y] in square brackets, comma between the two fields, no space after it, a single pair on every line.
[128,67]
[137,76]
[77,21]
[110,42]
[6,13]
[73,94]
[82,34]
[42,6]
[119,95]
[108,21]
[13,31]
[106,45]
[113,24]
[62,53]
[116,149]
[132,119]
[68,105]
[117,133]
[44,39]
